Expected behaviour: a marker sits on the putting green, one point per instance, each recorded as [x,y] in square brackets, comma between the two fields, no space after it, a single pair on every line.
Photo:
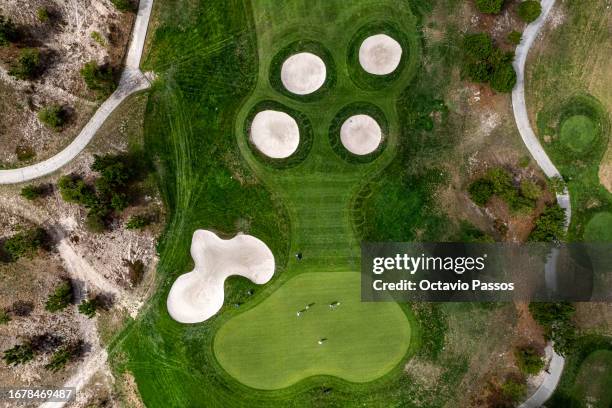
[578,132]
[594,380]
[270,347]
[599,228]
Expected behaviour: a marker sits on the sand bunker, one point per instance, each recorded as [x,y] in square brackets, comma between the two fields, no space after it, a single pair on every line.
[380,54]
[360,134]
[303,73]
[198,295]
[275,134]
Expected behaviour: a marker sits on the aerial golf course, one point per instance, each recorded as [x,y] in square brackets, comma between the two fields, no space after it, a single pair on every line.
[218,65]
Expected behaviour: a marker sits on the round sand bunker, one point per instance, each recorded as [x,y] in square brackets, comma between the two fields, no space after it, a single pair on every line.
[303,73]
[360,134]
[275,134]
[380,54]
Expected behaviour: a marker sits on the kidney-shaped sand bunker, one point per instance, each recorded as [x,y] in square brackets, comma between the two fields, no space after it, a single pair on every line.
[196,296]
[303,73]
[380,54]
[275,134]
[360,134]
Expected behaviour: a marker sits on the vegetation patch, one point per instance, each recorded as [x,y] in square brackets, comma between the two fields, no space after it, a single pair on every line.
[529,10]
[578,133]
[599,228]
[484,62]
[489,6]
[499,182]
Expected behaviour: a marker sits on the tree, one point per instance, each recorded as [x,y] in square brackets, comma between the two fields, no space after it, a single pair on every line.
[529,10]
[60,298]
[64,355]
[32,192]
[25,243]
[550,226]
[514,37]
[74,190]
[89,307]
[529,360]
[99,78]
[8,31]
[481,191]
[489,6]
[54,116]
[28,64]
[503,78]
[530,190]
[478,45]
[556,320]
[20,354]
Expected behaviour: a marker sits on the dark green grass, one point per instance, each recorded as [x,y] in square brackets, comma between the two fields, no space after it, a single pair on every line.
[586,375]
[579,170]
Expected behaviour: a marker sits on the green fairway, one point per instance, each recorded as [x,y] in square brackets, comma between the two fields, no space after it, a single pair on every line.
[599,228]
[594,380]
[270,347]
[578,132]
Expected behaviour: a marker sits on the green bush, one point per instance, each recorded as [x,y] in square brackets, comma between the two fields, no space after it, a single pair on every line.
[8,31]
[503,78]
[32,192]
[43,14]
[138,221]
[469,233]
[478,45]
[4,317]
[60,298]
[99,78]
[550,225]
[28,64]
[25,243]
[64,355]
[498,182]
[489,6]
[481,191]
[529,360]
[530,190]
[20,354]
[515,37]
[54,116]
[24,153]
[88,307]
[556,320]
[529,10]
[74,190]
[123,5]
[513,390]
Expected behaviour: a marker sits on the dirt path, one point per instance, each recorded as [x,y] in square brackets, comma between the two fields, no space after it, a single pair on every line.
[555,367]
[132,80]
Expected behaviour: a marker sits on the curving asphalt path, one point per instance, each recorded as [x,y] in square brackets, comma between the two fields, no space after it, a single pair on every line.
[555,367]
[132,80]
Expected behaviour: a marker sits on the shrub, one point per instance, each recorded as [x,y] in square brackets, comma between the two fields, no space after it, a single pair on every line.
[530,190]
[89,307]
[20,354]
[503,78]
[556,320]
[556,184]
[54,116]
[138,221]
[24,153]
[478,45]
[481,191]
[25,243]
[99,78]
[74,190]
[513,390]
[550,225]
[515,37]
[64,355]
[32,192]
[489,6]
[4,317]
[94,222]
[469,233]
[529,10]
[28,64]
[43,14]
[8,31]
[123,5]
[529,360]
[60,298]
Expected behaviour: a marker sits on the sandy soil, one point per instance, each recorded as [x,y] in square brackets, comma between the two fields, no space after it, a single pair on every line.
[380,54]
[275,134]
[303,73]
[198,295]
[360,134]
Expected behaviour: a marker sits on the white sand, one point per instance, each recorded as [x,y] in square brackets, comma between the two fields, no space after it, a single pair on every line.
[303,73]
[198,295]
[380,54]
[275,134]
[360,134]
